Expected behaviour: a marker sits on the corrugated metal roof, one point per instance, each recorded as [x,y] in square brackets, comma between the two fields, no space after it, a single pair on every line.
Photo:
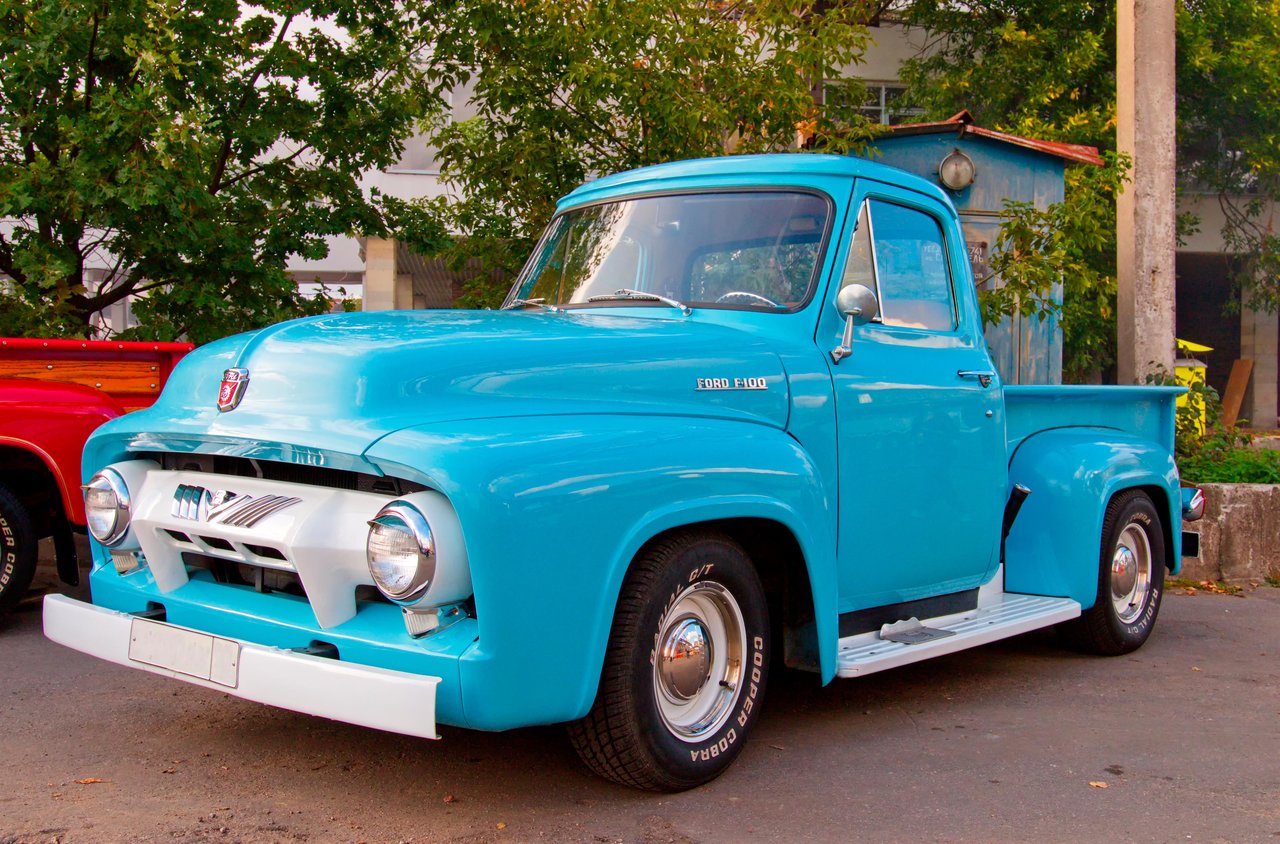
[961,123]
[433,282]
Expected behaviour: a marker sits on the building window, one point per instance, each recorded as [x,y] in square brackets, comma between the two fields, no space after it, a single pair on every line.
[882,104]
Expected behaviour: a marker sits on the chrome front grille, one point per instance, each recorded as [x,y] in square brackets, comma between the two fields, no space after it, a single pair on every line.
[223,507]
[253,526]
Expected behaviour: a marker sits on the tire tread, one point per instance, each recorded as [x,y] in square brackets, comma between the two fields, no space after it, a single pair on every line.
[607,739]
[1094,632]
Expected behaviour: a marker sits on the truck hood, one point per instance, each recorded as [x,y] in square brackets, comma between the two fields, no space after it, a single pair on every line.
[339,383]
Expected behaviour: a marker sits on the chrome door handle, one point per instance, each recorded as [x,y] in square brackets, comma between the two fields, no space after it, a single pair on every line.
[984,376]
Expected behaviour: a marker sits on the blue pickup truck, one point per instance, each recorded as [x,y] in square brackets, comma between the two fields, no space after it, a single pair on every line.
[735,414]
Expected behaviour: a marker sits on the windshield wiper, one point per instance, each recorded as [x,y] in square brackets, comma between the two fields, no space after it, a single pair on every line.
[628,293]
[536,303]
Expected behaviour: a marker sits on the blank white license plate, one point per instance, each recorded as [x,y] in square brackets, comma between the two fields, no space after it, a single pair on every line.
[185,651]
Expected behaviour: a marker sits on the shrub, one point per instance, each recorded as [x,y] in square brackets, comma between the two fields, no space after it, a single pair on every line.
[1222,454]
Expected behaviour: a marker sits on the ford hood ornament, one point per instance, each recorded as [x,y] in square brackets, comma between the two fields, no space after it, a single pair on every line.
[234,382]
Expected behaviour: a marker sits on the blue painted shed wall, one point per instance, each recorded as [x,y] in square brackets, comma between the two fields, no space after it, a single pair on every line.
[1026,350]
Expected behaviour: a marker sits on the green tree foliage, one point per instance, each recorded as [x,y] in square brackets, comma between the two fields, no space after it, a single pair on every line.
[1046,69]
[187,149]
[566,90]
[1228,111]
[1062,55]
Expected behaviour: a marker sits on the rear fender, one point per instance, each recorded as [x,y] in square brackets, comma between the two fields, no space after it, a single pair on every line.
[554,509]
[1053,547]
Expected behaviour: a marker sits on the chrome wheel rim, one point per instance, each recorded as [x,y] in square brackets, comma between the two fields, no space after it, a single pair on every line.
[1130,573]
[697,663]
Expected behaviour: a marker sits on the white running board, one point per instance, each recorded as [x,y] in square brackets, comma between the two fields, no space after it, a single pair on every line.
[1007,614]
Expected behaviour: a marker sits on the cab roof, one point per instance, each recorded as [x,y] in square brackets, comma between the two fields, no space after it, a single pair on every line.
[787,169]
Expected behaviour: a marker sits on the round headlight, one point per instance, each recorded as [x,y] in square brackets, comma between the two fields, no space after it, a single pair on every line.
[106,507]
[401,552]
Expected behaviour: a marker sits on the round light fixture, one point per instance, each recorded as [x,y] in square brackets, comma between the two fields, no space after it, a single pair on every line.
[957,171]
[106,507]
[401,552]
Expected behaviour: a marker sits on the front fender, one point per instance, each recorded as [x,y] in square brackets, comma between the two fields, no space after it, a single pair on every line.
[553,509]
[1072,473]
[51,420]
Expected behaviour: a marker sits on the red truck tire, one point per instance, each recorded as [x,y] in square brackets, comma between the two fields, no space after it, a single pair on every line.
[17,550]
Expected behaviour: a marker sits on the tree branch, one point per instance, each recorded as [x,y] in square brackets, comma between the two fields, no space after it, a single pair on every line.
[6,262]
[88,65]
[259,168]
[224,154]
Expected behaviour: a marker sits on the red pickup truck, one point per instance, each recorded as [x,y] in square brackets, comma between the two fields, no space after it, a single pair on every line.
[53,394]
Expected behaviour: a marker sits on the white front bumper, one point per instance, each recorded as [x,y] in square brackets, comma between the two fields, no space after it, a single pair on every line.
[356,694]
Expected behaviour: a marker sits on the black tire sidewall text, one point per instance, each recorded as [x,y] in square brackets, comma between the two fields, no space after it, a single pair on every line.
[17,550]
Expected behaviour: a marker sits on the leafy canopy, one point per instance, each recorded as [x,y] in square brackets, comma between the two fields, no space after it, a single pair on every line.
[1228,111]
[566,90]
[1046,69]
[186,149]
[1062,55]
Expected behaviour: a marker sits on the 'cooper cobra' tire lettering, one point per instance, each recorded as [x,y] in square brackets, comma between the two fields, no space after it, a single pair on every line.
[19,543]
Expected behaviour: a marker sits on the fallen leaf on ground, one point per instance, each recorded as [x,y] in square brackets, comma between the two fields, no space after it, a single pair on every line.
[449,798]
[501,825]
[1098,784]
[89,781]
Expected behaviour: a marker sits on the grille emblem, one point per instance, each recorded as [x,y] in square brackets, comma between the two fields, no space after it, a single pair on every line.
[234,382]
[223,507]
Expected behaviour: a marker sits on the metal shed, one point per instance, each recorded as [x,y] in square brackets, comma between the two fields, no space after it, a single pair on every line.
[984,168]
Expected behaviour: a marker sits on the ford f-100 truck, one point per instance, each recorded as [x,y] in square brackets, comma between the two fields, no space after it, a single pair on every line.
[53,393]
[734,414]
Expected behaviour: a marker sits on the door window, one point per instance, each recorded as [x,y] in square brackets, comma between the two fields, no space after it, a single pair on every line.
[902,254]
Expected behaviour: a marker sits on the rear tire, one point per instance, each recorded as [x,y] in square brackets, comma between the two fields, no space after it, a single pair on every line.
[685,670]
[1130,579]
[17,550]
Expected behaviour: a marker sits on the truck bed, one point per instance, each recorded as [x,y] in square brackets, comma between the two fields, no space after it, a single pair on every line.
[1144,411]
[132,373]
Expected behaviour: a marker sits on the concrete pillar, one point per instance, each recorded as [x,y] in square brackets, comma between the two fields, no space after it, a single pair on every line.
[404,291]
[1259,333]
[1145,210]
[380,277]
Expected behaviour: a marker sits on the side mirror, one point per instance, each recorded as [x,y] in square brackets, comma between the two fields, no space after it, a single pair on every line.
[858,305]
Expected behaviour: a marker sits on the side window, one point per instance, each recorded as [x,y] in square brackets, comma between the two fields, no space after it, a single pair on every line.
[859,269]
[911,267]
[900,253]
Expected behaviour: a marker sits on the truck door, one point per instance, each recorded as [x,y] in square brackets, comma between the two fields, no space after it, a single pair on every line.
[920,417]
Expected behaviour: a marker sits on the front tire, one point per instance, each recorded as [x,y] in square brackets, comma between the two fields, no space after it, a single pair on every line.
[685,671]
[1130,579]
[17,550]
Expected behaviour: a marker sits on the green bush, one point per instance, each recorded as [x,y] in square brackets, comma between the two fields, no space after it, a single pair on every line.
[1222,454]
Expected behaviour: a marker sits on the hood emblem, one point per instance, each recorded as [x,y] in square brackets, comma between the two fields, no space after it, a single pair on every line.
[234,382]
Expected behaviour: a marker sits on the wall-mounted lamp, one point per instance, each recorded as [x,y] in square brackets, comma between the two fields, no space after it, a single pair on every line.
[957,171]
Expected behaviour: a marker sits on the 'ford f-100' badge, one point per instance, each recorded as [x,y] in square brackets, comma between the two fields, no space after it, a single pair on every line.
[234,383]
[732,384]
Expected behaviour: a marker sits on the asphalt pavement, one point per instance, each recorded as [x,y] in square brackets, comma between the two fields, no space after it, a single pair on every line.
[1016,741]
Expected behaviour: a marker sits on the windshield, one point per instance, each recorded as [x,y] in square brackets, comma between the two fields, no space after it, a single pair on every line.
[757,250]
